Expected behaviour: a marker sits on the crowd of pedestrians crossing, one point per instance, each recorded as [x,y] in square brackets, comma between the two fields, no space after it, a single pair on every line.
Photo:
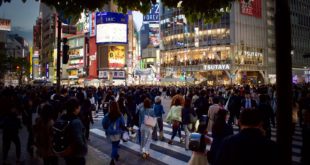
[137,111]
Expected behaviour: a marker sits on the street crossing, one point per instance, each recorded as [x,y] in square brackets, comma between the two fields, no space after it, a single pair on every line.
[176,153]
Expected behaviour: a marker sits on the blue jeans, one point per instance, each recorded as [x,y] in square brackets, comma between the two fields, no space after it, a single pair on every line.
[114,149]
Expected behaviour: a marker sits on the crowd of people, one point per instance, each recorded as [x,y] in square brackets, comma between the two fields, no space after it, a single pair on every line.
[210,111]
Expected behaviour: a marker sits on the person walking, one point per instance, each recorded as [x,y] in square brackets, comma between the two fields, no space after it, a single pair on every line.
[86,116]
[187,114]
[114,125]
[76,132]
[159,111]
[267,113]
[250,145]
[43,134]
[175,118]
[213,109]
[11,126]
[145,113]
[220,130]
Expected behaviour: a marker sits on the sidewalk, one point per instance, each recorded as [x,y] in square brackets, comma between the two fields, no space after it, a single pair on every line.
[94,156]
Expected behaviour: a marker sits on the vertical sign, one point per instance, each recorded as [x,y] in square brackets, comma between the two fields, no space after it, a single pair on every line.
[251,8]
[196,37]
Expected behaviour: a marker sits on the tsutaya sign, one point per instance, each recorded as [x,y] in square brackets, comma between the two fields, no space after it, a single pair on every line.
[217,67]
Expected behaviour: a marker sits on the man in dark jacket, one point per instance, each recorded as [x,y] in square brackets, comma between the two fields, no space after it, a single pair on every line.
[234,106]
[250,146]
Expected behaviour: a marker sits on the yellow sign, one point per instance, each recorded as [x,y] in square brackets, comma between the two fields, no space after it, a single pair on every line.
[116,56]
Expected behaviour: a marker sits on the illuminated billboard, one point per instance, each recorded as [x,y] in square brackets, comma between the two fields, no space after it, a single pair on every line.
[251,8]
[116,56]
[154,35]
[111,28]
[5,25]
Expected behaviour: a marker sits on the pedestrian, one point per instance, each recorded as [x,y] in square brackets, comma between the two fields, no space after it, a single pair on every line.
[199,156]
[11,126]
[250,145]
[213,109]
[114,126]
[43,134]
[76,131]
[187,114]
[174,117]
[86,116]
[305,149]
[146,113]
[220,130]
[267,114]
[159,111]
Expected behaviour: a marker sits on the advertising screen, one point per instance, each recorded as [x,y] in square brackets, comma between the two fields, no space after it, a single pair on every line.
[111,27]
[116,56]
[154,35]
[112,32]
[5,24]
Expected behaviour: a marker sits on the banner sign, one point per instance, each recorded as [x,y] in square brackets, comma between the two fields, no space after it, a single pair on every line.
[140,72]
[111,27]
[116,74]
[153,15]
[251,8]
[5,24]
[216,67]
[116,56]
[154,35]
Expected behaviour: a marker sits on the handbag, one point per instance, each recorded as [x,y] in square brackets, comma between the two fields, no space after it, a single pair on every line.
[149,120]
[125,136]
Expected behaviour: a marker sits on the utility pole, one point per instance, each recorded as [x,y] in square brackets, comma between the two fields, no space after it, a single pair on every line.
[284,81]
[58,52]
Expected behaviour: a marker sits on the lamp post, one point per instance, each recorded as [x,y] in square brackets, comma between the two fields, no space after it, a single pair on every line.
[125,67]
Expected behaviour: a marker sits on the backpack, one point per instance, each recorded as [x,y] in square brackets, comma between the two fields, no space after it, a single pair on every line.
[61,138]
[194,141]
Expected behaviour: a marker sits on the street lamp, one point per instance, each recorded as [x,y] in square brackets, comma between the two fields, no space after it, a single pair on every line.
[125,67]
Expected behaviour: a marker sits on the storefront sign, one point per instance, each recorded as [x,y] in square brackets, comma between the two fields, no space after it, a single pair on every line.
[307,72]
[115,74]
[217,67]
[251,8]
[153,15]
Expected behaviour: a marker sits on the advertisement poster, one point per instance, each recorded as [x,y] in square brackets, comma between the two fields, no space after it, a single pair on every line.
[5,24]
[116,56]
[154,35]
[251,8]
[111,27]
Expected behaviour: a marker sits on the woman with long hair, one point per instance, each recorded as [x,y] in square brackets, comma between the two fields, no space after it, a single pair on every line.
[187,112]
[220,130]
[145,129]
[114,125]
[175,117]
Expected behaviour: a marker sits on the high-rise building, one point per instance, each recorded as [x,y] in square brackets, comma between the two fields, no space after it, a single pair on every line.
[233,50]
[300,25]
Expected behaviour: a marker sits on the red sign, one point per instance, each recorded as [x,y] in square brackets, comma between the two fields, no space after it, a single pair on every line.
[251,8]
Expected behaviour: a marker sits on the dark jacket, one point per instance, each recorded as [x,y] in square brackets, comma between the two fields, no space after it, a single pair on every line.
[158,110]
[77,135]
[186,112]
[249,146]
[217,141]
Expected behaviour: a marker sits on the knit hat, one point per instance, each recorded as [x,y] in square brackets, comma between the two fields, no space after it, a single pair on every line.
[157,99]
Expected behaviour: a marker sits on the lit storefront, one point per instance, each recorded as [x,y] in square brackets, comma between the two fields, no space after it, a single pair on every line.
[230,51]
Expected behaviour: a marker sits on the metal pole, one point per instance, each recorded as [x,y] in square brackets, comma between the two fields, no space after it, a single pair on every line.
[58,53]
[284,81]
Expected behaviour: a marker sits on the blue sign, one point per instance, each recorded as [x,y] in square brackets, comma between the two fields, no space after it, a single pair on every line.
[153,15]
[109,17]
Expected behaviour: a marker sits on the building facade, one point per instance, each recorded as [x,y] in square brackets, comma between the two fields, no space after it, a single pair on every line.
[234,50]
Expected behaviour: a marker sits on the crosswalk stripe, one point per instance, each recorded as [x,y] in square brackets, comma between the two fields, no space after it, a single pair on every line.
[180,147]
[154,154]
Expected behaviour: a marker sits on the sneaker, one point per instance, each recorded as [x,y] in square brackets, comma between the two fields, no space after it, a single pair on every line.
[155,139]
[182,140]
[117,157]
[170,142]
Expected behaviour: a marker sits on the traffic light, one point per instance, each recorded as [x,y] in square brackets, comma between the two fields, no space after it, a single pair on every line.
[65,56]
